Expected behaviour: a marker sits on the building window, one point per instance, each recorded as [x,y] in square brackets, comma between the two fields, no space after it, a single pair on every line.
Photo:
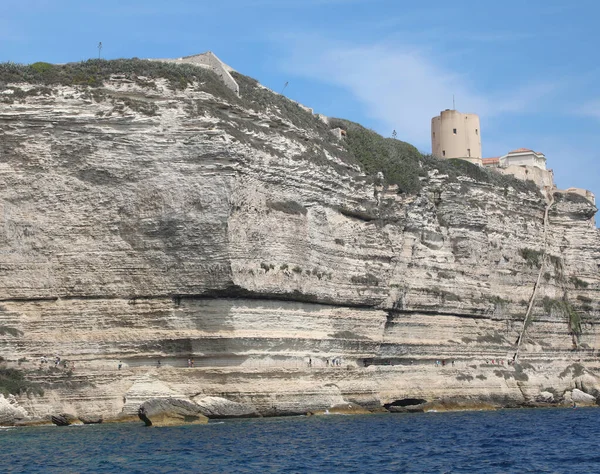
[476,132]
[469,152]
[454,131]
[433,134]
[443,152]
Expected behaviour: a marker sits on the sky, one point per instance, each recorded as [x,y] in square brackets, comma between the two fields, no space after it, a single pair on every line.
[528,68]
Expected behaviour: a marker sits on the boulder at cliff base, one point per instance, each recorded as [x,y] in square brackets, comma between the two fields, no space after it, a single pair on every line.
[170,412]
[217,407]
[10,411]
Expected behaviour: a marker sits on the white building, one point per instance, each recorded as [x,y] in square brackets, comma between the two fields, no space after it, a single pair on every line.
[523,157]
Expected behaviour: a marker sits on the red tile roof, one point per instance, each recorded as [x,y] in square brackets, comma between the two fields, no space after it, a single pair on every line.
[521,150]
[490,161]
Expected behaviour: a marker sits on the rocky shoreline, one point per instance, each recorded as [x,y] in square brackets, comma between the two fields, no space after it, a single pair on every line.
[166,415]
[154,396]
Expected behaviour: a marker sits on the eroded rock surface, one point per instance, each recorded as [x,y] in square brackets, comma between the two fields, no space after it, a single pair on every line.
[170,412]
[217,407]
[10,411]
[144,227]
[63,419]
[91,419]
[583,398]
[347,408]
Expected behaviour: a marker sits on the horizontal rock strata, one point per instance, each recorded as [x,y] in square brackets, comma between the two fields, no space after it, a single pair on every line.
[202,250]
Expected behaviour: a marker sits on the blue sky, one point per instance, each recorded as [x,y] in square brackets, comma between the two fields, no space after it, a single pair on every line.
[529,68]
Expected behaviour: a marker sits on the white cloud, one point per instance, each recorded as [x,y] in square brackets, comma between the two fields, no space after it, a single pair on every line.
[398,88]
[590,109]
[403,87]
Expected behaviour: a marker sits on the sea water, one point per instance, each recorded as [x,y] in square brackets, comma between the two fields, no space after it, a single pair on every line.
[519,441]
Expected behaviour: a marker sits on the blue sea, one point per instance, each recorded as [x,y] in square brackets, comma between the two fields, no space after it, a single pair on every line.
[519,441]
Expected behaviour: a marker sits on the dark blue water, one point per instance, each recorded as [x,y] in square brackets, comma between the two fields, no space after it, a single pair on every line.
[517,441]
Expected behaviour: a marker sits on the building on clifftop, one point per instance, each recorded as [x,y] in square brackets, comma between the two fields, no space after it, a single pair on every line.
[524,164]
[525,157]
[456,135]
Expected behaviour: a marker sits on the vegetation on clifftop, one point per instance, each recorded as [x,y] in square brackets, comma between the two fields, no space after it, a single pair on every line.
[403,165]
[261,99]
[400,163]
[94,72]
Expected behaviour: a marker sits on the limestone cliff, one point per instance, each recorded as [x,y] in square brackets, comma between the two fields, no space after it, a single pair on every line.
[147,219]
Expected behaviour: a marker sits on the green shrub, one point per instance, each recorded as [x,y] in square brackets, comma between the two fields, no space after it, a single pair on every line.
[532,257]
[574,320]
[579,283]
[12,381]
[368,280]
[446,275]
[42,68]
[4,330]
[564,308]
[464,377]
[555,261]
[288,207]
[456,168]
[397,160]
[498,300]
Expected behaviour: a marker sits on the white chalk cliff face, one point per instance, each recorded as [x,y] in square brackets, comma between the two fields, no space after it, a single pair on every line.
[140,224]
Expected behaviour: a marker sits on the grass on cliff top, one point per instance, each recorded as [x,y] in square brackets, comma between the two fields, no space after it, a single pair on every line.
[94,72]
[261,99]
[401,163]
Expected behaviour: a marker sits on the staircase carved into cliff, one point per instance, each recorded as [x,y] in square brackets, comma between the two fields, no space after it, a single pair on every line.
[536,286]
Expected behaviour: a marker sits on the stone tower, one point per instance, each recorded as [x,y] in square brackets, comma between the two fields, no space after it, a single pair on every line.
[456,135]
